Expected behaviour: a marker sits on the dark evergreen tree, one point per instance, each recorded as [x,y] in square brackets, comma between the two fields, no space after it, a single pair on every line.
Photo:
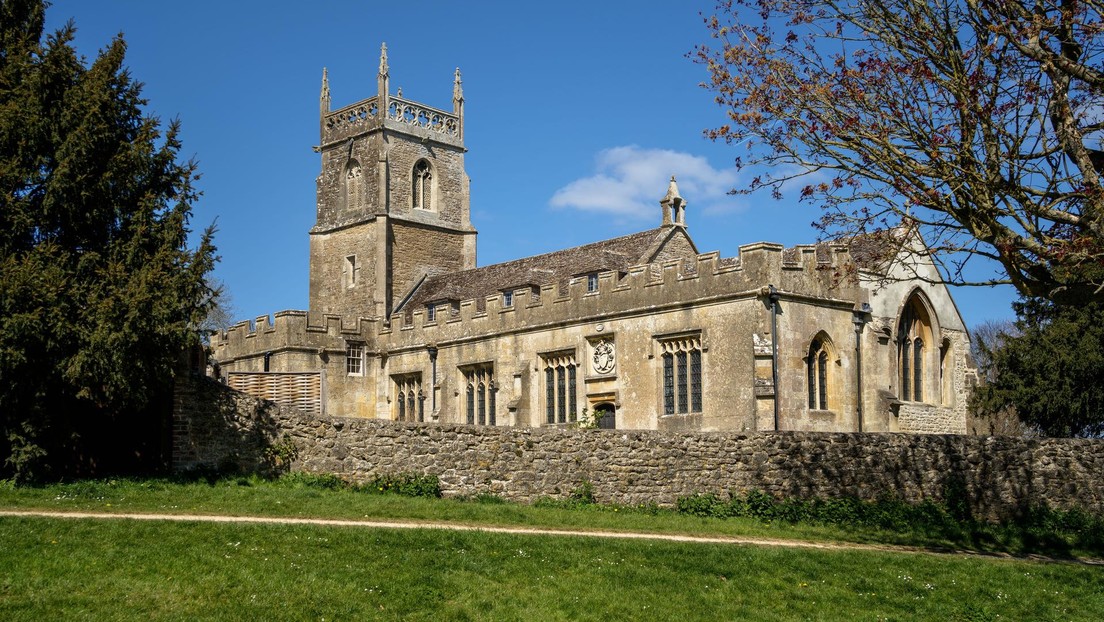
[99,291]
[1051,374]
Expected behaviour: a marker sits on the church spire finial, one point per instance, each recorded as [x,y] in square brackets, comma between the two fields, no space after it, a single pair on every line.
[457,88]
[324,98]
[458,102]
[383,80]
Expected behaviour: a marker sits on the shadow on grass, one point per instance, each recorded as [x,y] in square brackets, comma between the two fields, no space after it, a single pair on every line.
[947,525]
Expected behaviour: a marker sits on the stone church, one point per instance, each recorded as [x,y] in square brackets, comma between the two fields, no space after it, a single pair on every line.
[637,332]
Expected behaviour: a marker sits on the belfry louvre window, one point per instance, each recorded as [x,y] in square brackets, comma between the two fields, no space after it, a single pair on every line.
[354,186]
[682,375]
[421,190]
[354,359]
[409,398]
[560,387]
[479,394]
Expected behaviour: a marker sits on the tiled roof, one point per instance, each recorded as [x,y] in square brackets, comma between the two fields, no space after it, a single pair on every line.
[615,254]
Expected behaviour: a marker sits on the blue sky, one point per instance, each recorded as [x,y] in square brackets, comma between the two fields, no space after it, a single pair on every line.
[576,114]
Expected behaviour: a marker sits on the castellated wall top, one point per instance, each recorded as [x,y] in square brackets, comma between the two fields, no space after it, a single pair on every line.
[291,330]
[804,272]
[401,114]
[809,272]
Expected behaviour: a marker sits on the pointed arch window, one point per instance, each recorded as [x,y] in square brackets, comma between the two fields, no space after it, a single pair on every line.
[913,334]
[421,191]
[817,370]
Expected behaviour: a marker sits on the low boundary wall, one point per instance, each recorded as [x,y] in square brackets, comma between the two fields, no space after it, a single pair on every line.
[999,476]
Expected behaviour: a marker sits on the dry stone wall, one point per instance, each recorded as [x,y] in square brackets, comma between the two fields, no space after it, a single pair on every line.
[1000,475]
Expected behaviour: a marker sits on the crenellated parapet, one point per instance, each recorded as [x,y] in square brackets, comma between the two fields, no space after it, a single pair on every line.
[802,272]
[291,331]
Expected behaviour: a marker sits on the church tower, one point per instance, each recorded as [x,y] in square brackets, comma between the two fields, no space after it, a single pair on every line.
[393,200]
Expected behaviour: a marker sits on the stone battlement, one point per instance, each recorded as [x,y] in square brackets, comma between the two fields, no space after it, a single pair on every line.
[801,271]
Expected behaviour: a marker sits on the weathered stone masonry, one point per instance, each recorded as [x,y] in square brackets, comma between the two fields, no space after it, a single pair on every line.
[1000,475]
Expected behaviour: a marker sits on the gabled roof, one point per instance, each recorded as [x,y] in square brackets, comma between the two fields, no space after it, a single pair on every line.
[616,254]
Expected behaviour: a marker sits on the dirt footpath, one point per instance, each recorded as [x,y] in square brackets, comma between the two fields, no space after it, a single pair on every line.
[534,531]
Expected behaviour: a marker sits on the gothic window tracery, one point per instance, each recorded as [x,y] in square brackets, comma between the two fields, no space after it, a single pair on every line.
[682,375]
[409,398]
[479,394]
[560,378]
[913,336]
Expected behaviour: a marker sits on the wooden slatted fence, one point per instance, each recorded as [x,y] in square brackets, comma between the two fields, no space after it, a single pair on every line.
[302,390]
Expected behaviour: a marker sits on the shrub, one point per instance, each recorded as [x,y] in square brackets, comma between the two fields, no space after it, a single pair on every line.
[406,484]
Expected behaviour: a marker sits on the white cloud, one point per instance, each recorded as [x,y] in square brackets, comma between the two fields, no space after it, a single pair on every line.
[629,181]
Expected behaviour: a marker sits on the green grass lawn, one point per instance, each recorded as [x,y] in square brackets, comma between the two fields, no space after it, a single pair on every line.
[55,569]
[68,569]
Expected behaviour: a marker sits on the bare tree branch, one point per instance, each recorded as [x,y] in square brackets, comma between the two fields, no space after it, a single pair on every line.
[971,119]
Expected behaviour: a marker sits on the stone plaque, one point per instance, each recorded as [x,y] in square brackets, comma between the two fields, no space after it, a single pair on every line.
[603,357]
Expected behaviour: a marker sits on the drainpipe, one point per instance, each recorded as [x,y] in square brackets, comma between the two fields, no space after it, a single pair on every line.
[773,297]
[859,318]
[433,374]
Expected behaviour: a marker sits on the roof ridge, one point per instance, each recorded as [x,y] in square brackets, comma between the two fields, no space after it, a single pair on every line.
[562,250]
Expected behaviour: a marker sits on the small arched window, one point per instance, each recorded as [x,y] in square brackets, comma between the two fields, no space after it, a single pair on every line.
[421,190]
[817,372]
[913,335]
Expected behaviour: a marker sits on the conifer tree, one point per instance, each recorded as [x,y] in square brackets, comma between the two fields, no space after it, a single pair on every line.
[1047,370]
[99,290]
